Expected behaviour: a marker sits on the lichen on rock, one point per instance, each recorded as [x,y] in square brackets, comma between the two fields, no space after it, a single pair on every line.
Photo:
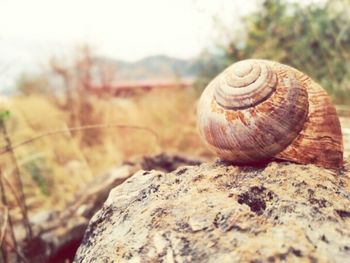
[219,213]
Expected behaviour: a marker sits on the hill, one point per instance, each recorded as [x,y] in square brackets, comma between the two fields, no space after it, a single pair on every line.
[153,67]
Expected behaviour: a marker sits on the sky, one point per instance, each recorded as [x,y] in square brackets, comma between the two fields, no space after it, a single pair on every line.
[33,30]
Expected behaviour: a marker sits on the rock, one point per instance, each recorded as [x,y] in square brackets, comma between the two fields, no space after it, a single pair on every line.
[219,213]
[165,162]
[57,234]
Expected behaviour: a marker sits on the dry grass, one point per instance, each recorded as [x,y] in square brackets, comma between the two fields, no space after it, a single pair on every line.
[55,167]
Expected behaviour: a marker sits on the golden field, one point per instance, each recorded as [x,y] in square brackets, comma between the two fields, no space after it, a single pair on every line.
[54,167]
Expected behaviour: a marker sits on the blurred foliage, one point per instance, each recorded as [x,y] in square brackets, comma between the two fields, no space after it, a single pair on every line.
[55,167]
[38,169]
[4,115]
[32,84]
[313,38]
[209,66]
[75,91]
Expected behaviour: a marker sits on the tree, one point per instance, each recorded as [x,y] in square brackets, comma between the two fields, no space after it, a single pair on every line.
[314,39]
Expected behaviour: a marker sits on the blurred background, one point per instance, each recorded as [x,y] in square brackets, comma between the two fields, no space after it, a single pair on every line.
[86,85]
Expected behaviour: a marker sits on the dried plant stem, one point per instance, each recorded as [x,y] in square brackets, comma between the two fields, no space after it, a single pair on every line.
[23,205]
[10,147]
[4,226]
[12,189]
[79,153]
[4,201]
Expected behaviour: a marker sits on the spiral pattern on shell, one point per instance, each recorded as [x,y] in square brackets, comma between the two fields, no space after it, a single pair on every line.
[258,109]
[245,84]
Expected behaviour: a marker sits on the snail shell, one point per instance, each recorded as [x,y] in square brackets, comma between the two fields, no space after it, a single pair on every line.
[256,110]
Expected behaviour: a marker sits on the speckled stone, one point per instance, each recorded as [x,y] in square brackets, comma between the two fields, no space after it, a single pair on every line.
[220,213]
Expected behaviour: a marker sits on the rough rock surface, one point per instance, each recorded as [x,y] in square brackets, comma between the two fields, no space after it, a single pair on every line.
[57,234]
[219,213]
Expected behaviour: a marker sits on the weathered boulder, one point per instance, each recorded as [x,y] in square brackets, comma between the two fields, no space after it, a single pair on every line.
[57,234]
[219,213]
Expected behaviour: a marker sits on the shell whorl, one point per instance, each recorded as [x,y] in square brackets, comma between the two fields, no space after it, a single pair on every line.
[245,84]
[258,109]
